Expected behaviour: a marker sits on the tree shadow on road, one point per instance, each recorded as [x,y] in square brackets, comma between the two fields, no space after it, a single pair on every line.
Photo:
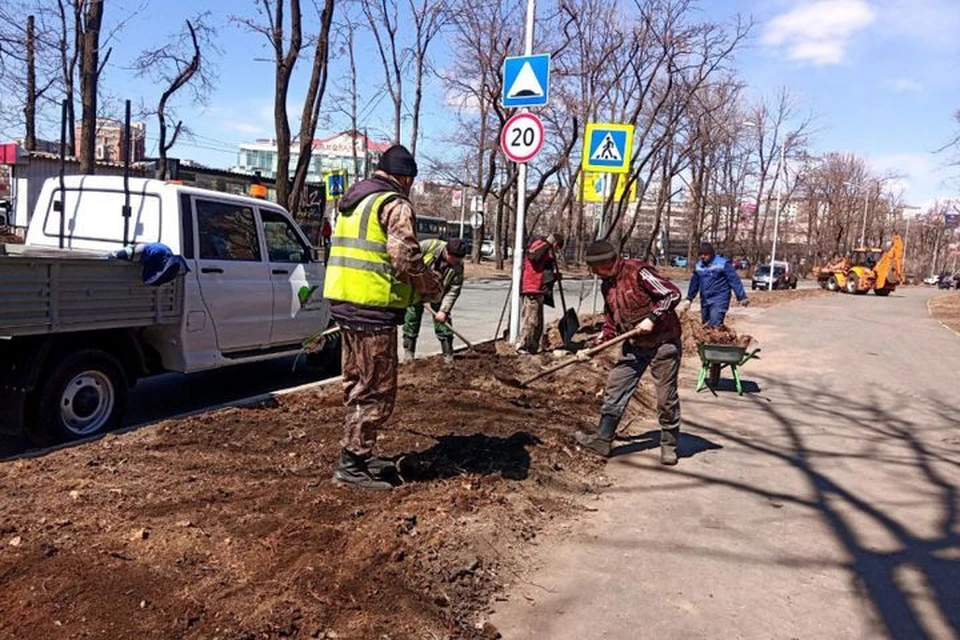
[913,584]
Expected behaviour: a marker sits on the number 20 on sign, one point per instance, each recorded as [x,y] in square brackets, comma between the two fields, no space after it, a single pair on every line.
[522,137]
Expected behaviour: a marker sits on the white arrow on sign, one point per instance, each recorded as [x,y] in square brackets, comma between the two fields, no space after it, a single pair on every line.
[522,137]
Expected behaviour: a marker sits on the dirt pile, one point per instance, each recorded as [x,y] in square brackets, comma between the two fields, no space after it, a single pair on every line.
[782,296]
[946,309]
[227,524]
[9,238]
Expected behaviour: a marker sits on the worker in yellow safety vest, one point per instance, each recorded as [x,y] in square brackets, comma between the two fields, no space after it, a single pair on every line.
[375,270]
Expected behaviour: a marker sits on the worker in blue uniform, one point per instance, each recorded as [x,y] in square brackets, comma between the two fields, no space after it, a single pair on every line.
[713,278]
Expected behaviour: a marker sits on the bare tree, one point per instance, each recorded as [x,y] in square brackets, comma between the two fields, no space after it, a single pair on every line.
[90,69]
[429,17]
[383,18]
[286,48]
[177,65]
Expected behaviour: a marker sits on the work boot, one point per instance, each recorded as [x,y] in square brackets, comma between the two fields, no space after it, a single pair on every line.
[600,442]
[352,470]
[446,345]
[668,446]
[409,349]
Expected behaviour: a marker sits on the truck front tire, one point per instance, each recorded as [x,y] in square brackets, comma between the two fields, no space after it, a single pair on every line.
[85,394]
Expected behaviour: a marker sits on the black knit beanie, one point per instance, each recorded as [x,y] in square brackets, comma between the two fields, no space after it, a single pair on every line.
[457,247]
[600,252]
[707,249]
[397,161]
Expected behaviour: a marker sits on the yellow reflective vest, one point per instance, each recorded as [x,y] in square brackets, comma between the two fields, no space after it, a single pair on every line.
[359,268]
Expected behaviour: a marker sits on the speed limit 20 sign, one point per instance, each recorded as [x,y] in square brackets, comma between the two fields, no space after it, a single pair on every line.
[522,137]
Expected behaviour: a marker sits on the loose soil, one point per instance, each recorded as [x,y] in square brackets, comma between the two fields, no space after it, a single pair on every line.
[9,238]
[227,525]
[782,296]
[946,309]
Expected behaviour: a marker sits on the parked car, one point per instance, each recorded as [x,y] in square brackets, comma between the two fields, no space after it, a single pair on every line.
[678,261]
[946,282]
[486,248]
[931,280]
[783,277]
[741,264]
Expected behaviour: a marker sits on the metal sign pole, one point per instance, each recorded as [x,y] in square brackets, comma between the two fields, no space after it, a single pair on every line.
[518,240]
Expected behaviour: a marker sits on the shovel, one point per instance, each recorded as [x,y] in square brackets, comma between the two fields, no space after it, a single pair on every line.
[522,384]
[449,326]
[569,323]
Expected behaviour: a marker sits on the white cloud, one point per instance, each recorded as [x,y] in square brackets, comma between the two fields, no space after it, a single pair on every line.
[819,32]
[904,85]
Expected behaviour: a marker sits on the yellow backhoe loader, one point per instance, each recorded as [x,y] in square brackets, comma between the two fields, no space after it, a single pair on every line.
[865,269]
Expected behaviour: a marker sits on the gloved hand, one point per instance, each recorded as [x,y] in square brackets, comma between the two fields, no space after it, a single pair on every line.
[441,316]
[582,355]
[645,326]
[683,308]
[745,302]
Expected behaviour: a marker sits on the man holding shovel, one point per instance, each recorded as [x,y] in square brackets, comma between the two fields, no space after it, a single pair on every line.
[637,298]
[446,259]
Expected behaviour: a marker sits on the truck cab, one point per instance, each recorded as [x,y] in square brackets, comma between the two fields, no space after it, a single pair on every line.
[253,292]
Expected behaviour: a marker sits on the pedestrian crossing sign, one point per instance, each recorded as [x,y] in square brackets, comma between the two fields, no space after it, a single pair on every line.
[336,182]
[526,81]
[607,148]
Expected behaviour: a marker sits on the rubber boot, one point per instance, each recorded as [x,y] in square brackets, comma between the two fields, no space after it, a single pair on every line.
[446,345]
[409,349]
[600,442]
[352,471]
[668,446]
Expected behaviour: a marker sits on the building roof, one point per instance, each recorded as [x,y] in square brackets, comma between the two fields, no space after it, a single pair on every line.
[6,158]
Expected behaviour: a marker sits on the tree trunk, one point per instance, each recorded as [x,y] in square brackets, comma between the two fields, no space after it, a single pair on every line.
[311,105]
[89,79]
[30,106]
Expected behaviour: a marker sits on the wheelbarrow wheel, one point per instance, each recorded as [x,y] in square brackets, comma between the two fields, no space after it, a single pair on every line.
[714,377]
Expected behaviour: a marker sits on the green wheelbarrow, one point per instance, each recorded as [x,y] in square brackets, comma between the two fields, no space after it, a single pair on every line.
[714,357]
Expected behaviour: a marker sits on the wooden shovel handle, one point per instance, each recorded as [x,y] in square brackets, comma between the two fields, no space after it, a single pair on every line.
[591,351]
[448,326]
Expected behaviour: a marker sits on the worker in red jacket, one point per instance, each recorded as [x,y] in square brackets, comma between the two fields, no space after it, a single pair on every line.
[540,271]
[635,296]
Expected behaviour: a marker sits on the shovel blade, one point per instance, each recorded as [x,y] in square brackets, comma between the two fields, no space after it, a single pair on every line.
[569,325]
[509,380]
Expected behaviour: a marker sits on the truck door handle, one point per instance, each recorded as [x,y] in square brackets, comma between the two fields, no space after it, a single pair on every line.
[280,272]
[211,270]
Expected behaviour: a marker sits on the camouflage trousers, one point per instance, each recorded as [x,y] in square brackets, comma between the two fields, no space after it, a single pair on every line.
[531,323]
[414,316]
[369,386]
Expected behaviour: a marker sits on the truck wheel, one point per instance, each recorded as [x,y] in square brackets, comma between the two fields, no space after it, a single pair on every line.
[852,282]
[882,292]
[793,285]
[85,394]
[832,284]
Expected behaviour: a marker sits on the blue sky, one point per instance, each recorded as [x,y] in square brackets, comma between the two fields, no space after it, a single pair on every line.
[880,76]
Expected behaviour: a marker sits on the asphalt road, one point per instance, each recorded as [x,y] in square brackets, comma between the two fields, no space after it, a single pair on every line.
[824,503]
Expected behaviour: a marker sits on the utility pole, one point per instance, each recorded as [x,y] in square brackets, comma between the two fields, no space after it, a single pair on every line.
[863,228]
[518,240]
[776,216]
